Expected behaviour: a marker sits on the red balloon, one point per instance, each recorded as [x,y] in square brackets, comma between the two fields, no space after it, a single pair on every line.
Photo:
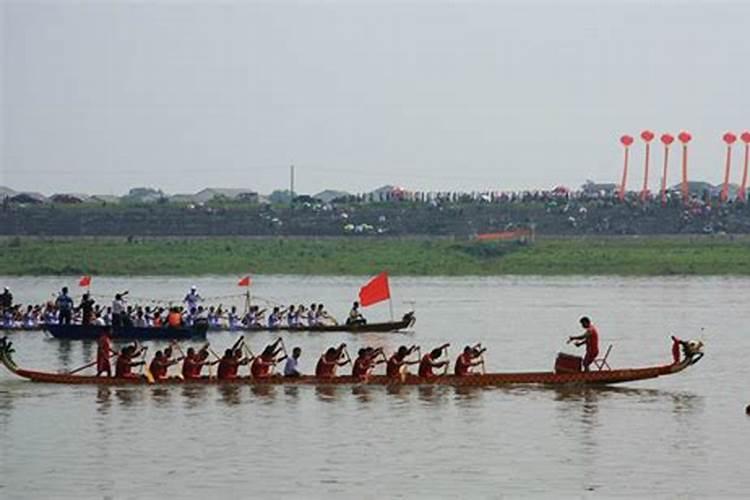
[729,138]
[745,137]
[647,135]
[684,137]
[667,139]
[626,140]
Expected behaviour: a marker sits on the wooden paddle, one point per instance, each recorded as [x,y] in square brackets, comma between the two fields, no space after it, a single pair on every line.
[448,361]
[348,358]
[89,365]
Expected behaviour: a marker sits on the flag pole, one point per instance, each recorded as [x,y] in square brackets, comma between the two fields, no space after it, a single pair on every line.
[390,306]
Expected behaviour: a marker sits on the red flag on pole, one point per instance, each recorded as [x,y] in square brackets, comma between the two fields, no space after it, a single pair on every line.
[244,281]
[377,290]
[85,281]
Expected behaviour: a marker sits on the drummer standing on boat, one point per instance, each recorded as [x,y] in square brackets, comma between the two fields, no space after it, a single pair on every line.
[590,338]
[104,351]
[192,298]
[64,307]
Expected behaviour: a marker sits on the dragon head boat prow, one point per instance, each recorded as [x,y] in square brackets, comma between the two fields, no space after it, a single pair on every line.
[692,352]
[6,354]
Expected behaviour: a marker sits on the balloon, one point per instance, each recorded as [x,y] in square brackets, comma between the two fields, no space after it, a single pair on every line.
[745,137]
[684,137]
[647,135]
[667,139]
[729,138]
[626,140]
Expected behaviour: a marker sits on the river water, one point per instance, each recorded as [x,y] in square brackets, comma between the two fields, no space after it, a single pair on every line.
[682,435]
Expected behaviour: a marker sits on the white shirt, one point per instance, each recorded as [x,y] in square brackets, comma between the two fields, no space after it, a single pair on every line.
[290,368]
[118,306]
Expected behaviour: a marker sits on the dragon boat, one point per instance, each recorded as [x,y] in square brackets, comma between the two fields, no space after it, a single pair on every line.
[407,321]
[89,332]
[92,332]
[691,355]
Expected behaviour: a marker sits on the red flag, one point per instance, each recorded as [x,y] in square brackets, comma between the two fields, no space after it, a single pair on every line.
[85,281]
[377,290]
[244,281]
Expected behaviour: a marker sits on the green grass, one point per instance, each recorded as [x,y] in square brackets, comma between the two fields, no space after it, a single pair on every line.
[651,256]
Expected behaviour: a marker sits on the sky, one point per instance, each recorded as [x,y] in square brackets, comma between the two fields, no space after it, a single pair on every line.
[101,96]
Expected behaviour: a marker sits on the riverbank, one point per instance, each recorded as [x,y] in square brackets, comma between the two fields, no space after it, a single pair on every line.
[628,256]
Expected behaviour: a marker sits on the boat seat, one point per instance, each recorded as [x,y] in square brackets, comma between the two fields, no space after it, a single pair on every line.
[601,363]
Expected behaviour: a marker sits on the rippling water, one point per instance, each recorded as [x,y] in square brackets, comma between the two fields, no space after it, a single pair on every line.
[680,435]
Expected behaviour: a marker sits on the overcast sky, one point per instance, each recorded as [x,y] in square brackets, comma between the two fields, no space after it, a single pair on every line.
[102,96]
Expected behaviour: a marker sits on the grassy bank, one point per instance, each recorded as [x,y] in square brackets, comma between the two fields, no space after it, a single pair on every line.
[651,256]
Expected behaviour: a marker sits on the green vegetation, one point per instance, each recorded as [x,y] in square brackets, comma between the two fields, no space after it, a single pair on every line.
[584,256]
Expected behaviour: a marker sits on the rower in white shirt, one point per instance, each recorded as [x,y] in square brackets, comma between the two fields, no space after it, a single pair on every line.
[291,368]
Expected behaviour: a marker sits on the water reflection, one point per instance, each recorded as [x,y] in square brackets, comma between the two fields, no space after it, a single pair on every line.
[264,391]
[103,399]
[193,395]
[466,395]
[327,393]
[433,395]
[6,407]
[63,353]
[292,391]
[230,394]
[362,392]
[129,396]
[162,396]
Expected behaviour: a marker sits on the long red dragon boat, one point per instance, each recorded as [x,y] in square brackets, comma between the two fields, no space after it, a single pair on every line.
[691,355]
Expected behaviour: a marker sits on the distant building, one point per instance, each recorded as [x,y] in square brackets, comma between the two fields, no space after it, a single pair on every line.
[592,188]
[329,195]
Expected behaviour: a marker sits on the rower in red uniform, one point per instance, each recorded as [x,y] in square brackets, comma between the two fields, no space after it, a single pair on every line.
[190,364]
[203,360]
[158,366]
[396,367]
[328,362]
[231,361]
[589,338]
[194,362]
[263,364]
[465,361]
[367,359]
[430,361]
[104,351]
[125,362]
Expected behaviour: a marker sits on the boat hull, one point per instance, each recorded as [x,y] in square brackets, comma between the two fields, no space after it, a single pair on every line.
[606,377]
[92,332]
[389,326]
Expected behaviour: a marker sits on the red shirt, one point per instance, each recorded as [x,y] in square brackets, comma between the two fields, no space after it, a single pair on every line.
[425,366]
[158,368]
[463,363]
[592,342]
[191,368]
[260,367]
[102,353]
[361,366]
[393,368]
[122,367]
[227,368]
[325,368]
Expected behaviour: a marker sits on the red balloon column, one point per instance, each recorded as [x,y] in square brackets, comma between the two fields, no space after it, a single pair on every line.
[685,138]
[667,140]
[730,139]
[647,137]
[626,141]
[742,194]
